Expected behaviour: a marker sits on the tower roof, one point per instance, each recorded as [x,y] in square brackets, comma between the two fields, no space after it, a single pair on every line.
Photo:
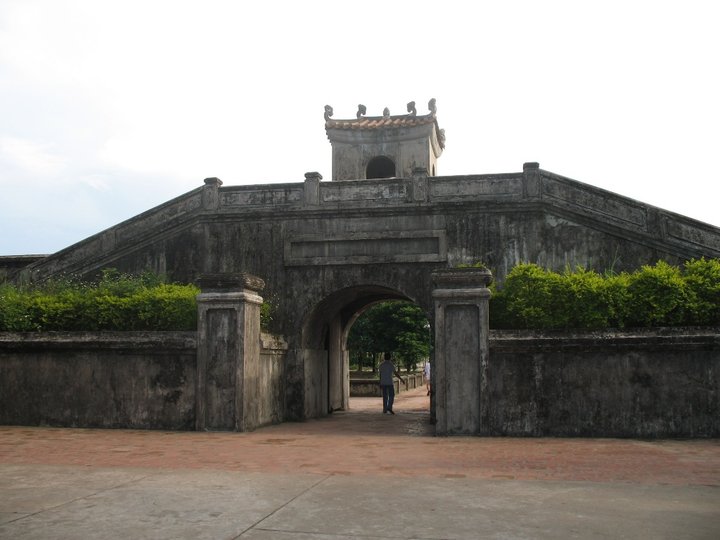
[386,121]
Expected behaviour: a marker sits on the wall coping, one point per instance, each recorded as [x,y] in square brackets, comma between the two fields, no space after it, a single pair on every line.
[99,340]
[170,340]
[640,338]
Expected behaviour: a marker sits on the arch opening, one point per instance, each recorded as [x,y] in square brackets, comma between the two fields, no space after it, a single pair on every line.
[327,356]
[396,328]
[380,167]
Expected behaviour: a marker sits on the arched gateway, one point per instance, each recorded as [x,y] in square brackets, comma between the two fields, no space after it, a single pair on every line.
[320,252]
[233,382]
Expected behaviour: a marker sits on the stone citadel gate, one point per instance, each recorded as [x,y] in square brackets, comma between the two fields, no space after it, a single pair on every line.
[386,227]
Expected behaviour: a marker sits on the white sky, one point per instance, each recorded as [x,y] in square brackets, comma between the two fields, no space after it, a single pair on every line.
[109,108]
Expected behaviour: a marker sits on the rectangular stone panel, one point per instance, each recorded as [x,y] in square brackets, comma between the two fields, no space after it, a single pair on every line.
[366,248]
[462,367]
[221,376]
[476,187]
[362,191]
[596,202]
[692,234]
[144,223]
[262,197]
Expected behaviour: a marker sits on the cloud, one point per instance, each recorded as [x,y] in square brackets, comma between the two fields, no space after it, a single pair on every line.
[30,157]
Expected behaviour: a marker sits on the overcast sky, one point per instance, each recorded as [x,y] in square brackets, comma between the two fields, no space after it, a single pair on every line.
[109,108]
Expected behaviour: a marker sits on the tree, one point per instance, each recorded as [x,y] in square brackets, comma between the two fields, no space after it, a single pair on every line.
[399,328]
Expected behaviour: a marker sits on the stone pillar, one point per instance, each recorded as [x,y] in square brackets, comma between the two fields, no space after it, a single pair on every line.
[228,353]
[420,191]
[531,180]
[311,188]
[211,193]
[461,350]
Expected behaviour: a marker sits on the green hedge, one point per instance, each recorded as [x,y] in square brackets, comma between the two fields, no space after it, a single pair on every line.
[117,302]
[658,295]
[531,297]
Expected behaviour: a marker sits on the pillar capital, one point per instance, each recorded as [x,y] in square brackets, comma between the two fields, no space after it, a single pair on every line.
[230,282]
[462,278]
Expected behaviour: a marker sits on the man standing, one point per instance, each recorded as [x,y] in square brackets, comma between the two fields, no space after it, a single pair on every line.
[387,370]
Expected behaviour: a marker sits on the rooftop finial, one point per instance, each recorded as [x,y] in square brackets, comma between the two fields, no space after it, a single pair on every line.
[432,107]
[411,108]
[361,111]
[386,112]
[328,112]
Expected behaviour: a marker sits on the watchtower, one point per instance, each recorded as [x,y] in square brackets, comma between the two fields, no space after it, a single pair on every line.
[384,146]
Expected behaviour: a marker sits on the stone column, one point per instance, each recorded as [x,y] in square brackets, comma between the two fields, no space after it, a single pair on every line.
[311,188]
[461,350]
[419,186]
[228,353]
[531,180]
[211,193]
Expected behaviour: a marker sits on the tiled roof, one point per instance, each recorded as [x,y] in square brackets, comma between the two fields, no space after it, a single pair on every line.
[379,122]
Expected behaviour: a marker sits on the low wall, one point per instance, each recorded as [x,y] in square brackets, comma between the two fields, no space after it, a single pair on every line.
[645,383]
[99,379]
[371,387]
[139,380]
[650,383]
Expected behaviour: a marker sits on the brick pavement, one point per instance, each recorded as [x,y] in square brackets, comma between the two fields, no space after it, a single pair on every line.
[364,442]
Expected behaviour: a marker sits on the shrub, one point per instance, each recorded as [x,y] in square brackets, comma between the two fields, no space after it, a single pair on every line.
[658,295]
[530,296]
[702,277]
[117,302]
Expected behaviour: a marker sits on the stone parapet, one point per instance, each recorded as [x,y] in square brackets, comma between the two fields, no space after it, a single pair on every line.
[556,201]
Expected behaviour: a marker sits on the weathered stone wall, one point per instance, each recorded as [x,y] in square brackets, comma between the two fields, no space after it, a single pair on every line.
[308,240]
[650,383]
[371,387]
[644,383]
[144,380]
[107,380]
[11,265]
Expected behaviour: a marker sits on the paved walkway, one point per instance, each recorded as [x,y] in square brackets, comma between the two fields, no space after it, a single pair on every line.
[354,475]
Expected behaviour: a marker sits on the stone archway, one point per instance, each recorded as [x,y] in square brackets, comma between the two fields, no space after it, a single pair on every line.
[229,371]
[324,337]
[460,324]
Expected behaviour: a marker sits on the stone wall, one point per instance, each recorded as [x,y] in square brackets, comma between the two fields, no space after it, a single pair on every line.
[12,264]
[643,383]
[309,240]
[363,387]
[139,380]
[106,380]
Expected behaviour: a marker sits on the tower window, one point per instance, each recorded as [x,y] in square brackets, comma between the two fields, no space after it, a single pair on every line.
[380,167]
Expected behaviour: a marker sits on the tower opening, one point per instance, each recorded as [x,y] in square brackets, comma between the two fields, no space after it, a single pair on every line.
[380,167]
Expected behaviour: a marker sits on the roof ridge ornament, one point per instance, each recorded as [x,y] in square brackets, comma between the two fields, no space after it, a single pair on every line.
[361,111]
[386,113]
[432,107]
[411,109]
[328,112]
